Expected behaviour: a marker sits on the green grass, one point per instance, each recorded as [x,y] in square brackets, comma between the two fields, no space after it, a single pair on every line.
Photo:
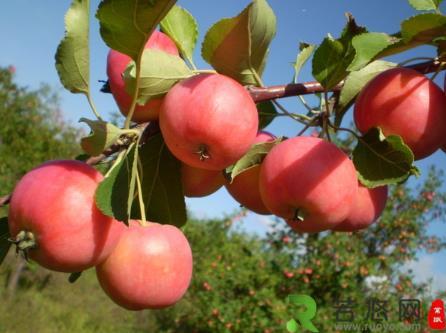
[46,302]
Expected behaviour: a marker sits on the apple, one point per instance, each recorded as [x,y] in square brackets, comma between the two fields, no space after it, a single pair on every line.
[245,186]
[200,182]
[208,121]
[403,102]
[368,206]
[53,206]
[150,268]
[309,182]
[117,62]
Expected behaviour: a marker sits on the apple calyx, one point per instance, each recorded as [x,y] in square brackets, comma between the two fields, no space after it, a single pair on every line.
[203,153]
[24,241]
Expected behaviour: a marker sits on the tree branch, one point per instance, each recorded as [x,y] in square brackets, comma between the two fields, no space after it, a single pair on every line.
[258,94]
[148,130]
[5,200]
[261,94]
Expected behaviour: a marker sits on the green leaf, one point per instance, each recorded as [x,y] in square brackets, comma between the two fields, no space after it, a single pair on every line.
[332,58]
[115,193]
[182,27]
[5,244]
[416,31]
[267,113]
[238,46]
[354,83]
[329,63]
[367,46]
[381,160]
[159,72]
[306,50]
[102,136]
[161,183]
[351,30]
[73,277]
[72,55]
[253,157]
[425,4]
[292,326]
[423,28]
[126,25]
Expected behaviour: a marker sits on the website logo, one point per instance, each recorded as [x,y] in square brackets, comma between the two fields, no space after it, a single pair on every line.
[303,317]
[436,316]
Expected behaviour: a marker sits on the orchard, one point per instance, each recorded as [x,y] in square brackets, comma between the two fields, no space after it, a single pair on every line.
[189,132]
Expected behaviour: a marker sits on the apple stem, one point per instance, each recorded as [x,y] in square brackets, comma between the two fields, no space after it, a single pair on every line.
[298,215]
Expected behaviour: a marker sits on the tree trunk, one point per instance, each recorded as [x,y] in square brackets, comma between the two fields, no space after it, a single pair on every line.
[15,276]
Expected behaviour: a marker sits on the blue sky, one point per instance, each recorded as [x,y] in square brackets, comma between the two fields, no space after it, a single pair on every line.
[31,31]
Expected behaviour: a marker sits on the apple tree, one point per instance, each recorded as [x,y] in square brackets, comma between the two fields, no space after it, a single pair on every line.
[68,217]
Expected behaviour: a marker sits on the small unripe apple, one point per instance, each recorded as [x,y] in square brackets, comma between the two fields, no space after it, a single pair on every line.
[117,62]
[245,186]
[200,182]
[403,102]
[208,121]
[309,182]
[367,207]
[150,268]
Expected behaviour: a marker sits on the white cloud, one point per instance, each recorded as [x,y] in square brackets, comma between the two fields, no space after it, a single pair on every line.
[424,270]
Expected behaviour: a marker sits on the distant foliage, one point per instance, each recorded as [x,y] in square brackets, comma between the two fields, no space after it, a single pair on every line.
[32,129]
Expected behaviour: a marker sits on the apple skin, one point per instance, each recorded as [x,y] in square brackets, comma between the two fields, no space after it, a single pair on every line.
[117,62]
[367,208]
[245,186]
[403,102]
[208,121]
[150,268]
[55,201]
[200,182]
[310,175]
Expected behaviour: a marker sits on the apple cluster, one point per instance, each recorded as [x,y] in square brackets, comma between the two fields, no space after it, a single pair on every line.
[53,218]
[209,122]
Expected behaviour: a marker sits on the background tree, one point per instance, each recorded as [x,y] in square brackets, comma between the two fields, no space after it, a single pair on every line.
[32,130]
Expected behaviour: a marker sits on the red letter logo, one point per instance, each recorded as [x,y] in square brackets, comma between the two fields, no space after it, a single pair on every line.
[436,317]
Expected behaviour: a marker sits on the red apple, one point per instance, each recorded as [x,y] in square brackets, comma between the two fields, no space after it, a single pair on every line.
[309,178]
[403,102]
[117,63]
[245,186]
[54,204]
[208,121]
[368,206]
[200,182]
[150,268]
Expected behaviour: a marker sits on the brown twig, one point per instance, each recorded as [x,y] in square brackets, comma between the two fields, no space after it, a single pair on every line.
[5,200]
[148,130]
[261,94]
